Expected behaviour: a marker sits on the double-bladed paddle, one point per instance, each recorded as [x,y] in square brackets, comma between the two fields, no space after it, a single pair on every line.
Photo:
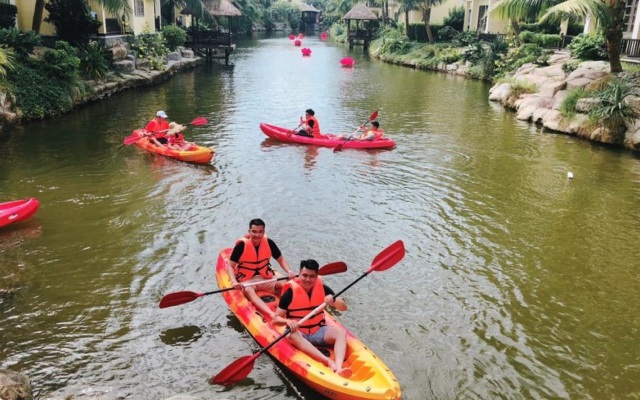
[242,367]
[177,298]
[371,118]
[131,139]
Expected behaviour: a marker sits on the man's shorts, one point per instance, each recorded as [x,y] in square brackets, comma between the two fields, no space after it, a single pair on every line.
[317,338]
[266,287]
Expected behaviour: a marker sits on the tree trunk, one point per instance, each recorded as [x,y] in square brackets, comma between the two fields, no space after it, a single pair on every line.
[613,33]
[406,22]
[516,27]
[37,16]
[426,18]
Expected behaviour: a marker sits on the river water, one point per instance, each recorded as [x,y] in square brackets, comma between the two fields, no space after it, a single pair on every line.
[518,283]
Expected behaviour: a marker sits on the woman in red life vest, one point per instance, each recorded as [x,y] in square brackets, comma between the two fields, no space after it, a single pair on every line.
[299,297]
[157,129]
[249,262]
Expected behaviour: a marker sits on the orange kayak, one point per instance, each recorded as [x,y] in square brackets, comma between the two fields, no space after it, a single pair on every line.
[371,379]
[194,154]
[17,210]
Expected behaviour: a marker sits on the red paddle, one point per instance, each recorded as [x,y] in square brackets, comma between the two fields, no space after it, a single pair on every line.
[131,139]
[177,298]
[371,118]
[242,367]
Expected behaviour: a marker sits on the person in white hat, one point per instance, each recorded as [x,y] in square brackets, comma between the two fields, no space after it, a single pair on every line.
[157,129]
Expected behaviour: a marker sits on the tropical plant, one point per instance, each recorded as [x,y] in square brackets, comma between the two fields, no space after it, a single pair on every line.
[72,20]
[568,105]
[150,46]
[95,61]
[589,47]
[22,43]
[284,11]
[174,36]
[6,62]
[608,13]
[613,109]
[455,19]
[62,62]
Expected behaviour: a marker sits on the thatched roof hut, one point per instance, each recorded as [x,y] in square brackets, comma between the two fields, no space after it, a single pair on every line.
[221,8]
[308,8]
[360,12]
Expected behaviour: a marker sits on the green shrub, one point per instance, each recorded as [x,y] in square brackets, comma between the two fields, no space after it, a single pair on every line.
[95,61]
[36,93]
[174,36]
[455,19]
[543,40]
[568,68]
[467,38]
[613,109]
[517,57]
[22,43]
[589,47]
[447,34]
[417,33]
[568,105]
[394,41]
[62,62]
[8,14]
[72,20]
[6,62]
[150,46]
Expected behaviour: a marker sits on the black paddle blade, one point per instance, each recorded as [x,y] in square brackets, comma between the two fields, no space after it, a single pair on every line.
[388,257]
[236,371]
[177,298]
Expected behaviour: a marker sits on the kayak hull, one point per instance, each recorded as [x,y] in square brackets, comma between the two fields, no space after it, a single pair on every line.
[284,135]
[195,154]
[17,210]
[371,379]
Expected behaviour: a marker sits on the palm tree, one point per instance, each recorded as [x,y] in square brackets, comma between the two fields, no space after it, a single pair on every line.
[425,6]
[406,6]
[608,13]
[6,62]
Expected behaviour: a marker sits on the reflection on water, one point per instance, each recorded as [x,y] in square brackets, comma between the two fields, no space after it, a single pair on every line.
[515,284]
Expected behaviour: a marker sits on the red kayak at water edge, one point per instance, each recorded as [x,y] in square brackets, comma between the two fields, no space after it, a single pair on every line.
[17,210]
[285,135]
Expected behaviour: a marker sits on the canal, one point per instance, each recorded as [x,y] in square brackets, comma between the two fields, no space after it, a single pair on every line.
[518,283]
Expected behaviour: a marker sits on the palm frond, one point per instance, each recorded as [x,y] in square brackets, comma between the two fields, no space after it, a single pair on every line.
[596,9]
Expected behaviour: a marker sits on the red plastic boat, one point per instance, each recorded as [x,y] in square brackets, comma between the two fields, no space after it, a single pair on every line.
[284,134]
[17,210]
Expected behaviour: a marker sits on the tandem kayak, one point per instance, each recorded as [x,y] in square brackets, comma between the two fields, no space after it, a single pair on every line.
[284,134]
[371,379]
[17,210]
[194,154]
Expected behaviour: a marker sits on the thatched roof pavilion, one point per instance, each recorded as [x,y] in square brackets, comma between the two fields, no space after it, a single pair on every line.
[221,8]
[363,29]
[360,12]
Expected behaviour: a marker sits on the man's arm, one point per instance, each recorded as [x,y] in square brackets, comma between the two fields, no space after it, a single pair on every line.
[275,252]
[337,303]
[233,262]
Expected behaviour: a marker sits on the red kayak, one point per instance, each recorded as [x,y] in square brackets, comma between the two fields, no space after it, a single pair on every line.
[17,210]
[284,134]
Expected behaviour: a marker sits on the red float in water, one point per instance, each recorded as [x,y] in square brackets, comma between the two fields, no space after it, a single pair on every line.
[347,62]
[306,51]
[323,36]
[297,42]
[300,35]
[292,37]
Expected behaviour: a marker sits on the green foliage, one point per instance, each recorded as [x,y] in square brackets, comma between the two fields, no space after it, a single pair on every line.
[612,108]
[518,88]
[72,20]
[568,68]
[8,16]
[6,62]
[22,43]
[150,46]
[543,40]
[455,19]
[285,11]
[174,36]
[95,61]
[62,62]
[394,41]
[568,106]
[36,93]
[467,38]
[517,57]
[550,27]
[486,57]
[417,33]
[589,47]
[447,34]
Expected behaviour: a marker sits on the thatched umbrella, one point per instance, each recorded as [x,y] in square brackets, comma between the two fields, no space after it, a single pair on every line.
[360,12]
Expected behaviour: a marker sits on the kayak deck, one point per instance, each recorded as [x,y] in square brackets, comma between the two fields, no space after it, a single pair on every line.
[371,378]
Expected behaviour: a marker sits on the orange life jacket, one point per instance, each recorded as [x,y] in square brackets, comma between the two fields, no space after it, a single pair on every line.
[378,134]
[302,304]
[176,138]
[315,131]
[251,263]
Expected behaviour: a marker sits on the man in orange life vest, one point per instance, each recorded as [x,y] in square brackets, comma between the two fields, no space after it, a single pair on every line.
[157,129]
[249,262]
[299,297]
[311,126]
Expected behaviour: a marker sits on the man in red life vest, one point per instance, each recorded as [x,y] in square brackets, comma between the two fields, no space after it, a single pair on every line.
[310,125]
[374,133]
[249,262]
[158,128]
[299,297]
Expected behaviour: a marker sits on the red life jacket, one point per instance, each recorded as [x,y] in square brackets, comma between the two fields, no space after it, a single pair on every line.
[253,264]
[315,131]
[302,304]
[177,138]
